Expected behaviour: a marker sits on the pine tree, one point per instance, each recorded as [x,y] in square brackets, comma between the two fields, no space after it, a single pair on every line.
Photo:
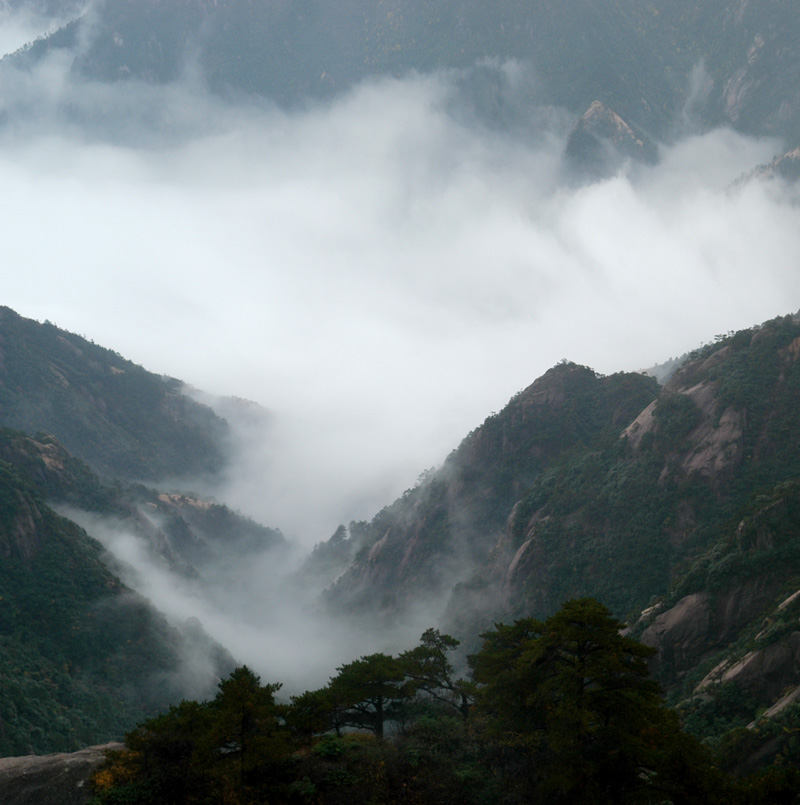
[574,717]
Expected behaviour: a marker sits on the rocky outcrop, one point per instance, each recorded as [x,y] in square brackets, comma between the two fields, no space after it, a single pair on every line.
[766,674]
[643,424]
[600,139]
[698,626]
[61,779]
[714,446]
[716,443]
[680,635]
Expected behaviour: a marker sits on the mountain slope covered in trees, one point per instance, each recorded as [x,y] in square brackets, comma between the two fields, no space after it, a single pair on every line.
[124,421]
[679,500]
[82,657]
[652,63]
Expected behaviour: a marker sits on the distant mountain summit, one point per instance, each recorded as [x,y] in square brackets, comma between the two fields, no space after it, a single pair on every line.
[600,137]
[656,66]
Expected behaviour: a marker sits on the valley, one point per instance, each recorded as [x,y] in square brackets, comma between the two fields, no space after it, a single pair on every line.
[328,240]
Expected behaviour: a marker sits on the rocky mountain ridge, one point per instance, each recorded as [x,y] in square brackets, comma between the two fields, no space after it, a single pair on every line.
[659,69]
[433,537]
[680,501]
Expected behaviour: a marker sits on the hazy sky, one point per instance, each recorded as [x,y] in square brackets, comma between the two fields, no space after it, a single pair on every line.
[378,272]
[18,28]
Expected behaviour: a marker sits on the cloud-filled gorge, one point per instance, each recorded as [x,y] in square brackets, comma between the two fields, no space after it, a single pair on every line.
[380,271]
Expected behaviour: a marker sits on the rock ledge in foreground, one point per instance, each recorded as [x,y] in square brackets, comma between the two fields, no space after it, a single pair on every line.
[50,779]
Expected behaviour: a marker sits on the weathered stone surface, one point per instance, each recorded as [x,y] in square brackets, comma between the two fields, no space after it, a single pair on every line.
[717,442]
[767,673]
[680,634]
[696,627]
[60,779]
[643,424]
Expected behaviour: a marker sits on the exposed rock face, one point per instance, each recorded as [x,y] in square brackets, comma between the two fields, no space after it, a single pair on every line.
[643,424]
[765,673]
[601,138]
[699,626]
[50,779]
[716,441]
[714,446]
[760,92]
[680,635]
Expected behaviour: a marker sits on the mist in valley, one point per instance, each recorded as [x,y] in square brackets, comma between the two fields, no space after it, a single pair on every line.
[375,273]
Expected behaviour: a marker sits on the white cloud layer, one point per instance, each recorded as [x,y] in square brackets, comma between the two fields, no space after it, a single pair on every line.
[254,609]
[378,272]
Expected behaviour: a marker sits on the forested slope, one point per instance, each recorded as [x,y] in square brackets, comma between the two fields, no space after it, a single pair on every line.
[122,420]
[82,657]
[589,485]
[656,64]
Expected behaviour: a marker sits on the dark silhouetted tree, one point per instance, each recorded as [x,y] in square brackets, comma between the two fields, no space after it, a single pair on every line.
[576,718]
[428,669]
[367,692]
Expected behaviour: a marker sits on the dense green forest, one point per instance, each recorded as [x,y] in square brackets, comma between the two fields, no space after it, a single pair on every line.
[82,656]
[555,711]
[79,652]
[124,421]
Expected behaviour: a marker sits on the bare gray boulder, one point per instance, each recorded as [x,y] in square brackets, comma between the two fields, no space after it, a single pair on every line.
[61,779]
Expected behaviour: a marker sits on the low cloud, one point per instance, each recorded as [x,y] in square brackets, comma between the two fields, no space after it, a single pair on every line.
[379,272]
[253,607]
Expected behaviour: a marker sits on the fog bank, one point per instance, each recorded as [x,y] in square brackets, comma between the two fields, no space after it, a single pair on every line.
[380,272]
